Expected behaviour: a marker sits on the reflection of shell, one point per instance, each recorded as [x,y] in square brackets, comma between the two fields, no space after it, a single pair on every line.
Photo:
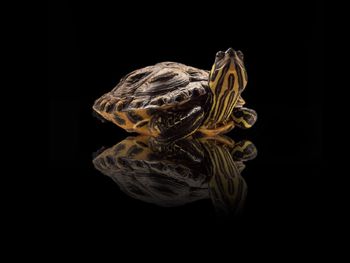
[179,173]
[151,176]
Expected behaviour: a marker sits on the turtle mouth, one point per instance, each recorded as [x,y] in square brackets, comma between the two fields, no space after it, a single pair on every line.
[230,52]
[223,58]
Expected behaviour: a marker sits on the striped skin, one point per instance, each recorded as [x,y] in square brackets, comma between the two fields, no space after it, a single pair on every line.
[227,187]
[227,80]
[244,117]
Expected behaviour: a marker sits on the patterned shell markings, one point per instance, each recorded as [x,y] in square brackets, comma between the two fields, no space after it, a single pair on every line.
[162,85]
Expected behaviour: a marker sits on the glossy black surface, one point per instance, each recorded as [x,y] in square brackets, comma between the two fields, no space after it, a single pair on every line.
[181,172]
[92,46]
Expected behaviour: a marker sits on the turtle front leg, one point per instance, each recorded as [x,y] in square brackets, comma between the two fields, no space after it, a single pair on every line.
[172,125]
[244,117]
[243,151]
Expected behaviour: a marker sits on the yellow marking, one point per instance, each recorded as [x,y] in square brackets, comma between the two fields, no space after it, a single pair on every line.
[242,120]
[145,130]
[216,131]
[225,182]
[212,85]
[243,147]
[226,109]
[220,139]
[128,143]
[233,71]
[217,99]
[240,101]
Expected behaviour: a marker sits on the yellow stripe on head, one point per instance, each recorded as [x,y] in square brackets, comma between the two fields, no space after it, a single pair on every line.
[227,79]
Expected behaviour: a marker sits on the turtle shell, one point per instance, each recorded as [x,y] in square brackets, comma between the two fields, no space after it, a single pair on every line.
[162,85]
[159,86]
[165,85]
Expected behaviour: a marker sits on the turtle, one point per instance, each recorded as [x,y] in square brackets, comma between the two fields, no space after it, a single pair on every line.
[181,172]
[170,100]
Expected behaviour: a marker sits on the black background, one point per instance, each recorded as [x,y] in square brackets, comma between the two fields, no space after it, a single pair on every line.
[92,45]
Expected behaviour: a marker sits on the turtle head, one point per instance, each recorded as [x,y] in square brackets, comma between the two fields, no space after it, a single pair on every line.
[229,63]
[227,80]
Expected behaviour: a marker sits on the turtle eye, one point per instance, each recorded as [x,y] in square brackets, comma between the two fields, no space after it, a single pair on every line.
[220,54]
[240,55]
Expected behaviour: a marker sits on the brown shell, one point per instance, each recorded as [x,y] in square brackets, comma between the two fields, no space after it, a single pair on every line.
[140,94]
[164,84]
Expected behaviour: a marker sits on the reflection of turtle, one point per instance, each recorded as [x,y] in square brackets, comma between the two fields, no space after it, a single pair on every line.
[171,101]
[181,172]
